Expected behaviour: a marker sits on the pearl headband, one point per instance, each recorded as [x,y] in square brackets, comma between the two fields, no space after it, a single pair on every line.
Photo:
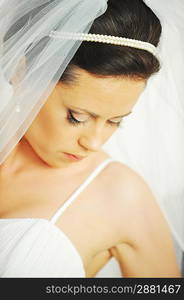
[108,39]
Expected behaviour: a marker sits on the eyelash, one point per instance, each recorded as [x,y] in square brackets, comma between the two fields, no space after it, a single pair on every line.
[75,122]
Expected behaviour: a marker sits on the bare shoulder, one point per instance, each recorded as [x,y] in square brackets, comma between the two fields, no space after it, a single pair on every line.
[145,246]
[134,200]
[125,181]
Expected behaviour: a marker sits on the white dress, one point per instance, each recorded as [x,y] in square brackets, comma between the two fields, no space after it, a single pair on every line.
[36,247]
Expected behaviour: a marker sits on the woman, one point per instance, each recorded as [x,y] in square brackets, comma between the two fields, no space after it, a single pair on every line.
[113,212]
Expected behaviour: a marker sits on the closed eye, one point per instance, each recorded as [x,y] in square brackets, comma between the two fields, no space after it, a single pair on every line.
[116,123]
[74,121]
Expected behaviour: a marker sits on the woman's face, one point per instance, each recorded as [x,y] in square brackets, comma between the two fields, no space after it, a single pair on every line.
[79,118]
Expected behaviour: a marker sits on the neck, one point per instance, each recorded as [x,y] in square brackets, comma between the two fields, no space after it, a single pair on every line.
[24,159]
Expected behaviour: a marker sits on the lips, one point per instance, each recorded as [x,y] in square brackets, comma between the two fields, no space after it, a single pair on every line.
[75,156]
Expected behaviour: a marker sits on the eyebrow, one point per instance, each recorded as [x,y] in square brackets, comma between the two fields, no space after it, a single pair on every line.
[95,115]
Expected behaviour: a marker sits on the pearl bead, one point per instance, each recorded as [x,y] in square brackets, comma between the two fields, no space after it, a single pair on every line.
[109,39]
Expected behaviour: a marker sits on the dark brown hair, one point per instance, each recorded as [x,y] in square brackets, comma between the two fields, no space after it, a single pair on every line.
[123,18]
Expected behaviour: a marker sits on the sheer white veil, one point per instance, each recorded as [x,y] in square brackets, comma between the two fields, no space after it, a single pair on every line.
[25,31]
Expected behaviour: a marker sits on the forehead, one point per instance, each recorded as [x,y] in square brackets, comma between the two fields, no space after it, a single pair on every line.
[105,93]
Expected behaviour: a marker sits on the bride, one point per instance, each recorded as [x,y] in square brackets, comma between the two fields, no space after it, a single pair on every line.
[67,207]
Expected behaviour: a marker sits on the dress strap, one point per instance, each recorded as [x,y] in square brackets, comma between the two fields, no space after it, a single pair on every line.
[61,209]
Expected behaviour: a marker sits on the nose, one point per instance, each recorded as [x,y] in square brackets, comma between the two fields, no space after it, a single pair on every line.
[92,141]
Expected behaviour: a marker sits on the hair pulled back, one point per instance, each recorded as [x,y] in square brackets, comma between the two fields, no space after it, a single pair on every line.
[123,18]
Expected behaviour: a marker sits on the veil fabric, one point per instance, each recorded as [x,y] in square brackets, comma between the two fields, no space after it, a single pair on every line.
[31,63]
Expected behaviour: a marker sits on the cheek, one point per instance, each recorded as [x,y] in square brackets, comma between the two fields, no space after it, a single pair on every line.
[51,131]
[109,134]
[43,130]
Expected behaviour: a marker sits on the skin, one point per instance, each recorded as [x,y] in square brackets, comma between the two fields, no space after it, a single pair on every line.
[107,98]
[50,133]
[41,151]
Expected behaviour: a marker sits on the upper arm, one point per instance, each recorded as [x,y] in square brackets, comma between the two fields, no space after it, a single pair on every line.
[146,248]
[97,263]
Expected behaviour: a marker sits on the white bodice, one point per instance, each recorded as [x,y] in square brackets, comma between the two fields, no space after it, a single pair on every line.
[36,247]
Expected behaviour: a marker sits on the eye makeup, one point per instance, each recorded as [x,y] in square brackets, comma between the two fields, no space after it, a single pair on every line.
[73,121]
